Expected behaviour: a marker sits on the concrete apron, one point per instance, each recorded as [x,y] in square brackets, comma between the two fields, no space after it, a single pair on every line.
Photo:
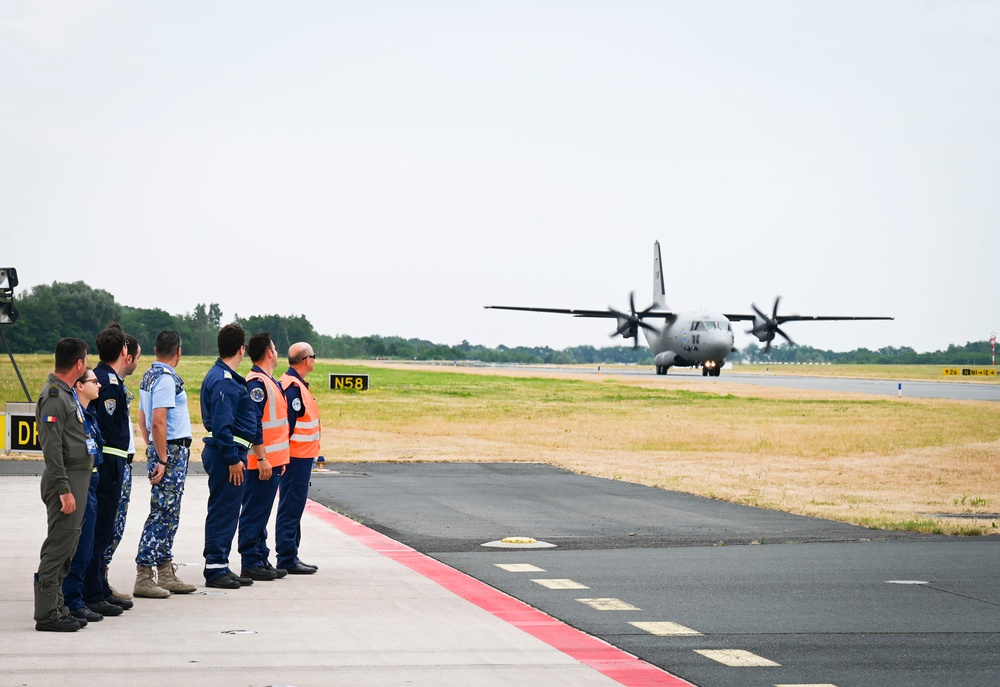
[363,619]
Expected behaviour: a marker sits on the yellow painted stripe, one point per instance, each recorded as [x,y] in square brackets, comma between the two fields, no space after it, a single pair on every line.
[609,605]
[736,658]
[561,584]
[519,567]
[665,629]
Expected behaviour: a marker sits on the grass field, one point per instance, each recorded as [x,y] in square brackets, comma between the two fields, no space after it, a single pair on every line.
[878,462]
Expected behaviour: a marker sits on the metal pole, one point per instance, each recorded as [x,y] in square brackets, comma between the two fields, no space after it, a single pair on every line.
[14,363]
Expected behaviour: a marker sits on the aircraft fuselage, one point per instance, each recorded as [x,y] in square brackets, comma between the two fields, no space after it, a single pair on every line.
[699,338]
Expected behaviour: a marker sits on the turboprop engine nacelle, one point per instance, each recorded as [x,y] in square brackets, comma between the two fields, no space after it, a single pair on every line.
[665,359]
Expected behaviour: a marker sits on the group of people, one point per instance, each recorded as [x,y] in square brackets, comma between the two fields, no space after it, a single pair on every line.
[263,436]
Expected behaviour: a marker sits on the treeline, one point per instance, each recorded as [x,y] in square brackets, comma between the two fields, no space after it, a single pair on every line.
[50,312]
[972,353]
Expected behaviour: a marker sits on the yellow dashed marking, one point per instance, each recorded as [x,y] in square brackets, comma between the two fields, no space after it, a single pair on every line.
[664,629]
[561,584]
[519,567]
[736,658]
[609,605]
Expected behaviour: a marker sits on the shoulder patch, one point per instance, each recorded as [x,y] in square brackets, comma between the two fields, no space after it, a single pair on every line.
[53,391]
[297,404]
[257,395]
[227,375]
[110,405]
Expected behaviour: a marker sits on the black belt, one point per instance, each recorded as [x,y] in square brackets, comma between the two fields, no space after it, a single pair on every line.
[129,457]
[186,443]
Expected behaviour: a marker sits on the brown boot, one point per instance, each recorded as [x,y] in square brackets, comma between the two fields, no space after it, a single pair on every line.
[115,593]
[145,585]
[166,578]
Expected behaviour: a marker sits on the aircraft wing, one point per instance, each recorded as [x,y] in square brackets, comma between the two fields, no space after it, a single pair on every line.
[663,314]
[735,317]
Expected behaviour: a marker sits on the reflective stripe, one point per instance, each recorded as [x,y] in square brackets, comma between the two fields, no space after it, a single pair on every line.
[301,436]
[108,451]
[276,448]
[236,440]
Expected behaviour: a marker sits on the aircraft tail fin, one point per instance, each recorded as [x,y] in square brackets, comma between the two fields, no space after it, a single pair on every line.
[659,292]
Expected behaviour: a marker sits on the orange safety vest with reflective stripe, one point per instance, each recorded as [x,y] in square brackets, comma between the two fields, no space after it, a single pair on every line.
[274,424]
[304,442]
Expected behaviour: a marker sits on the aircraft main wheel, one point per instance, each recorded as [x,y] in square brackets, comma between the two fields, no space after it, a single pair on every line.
[704,372]
[716,372]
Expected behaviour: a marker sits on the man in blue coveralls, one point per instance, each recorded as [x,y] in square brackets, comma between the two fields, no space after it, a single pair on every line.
[230,418]
[111,411]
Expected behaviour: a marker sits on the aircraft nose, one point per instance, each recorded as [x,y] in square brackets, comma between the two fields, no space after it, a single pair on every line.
[718,345]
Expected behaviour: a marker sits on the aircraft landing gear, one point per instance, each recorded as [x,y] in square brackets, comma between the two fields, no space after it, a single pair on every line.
[711,371]
[661,369]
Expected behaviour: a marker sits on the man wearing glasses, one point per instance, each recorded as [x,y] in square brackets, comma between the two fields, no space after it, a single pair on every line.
[304,446]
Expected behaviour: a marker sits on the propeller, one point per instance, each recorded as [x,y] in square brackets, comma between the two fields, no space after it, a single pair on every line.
[764,327]
[629,323]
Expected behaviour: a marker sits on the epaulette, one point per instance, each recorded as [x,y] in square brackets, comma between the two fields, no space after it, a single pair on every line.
[53,391]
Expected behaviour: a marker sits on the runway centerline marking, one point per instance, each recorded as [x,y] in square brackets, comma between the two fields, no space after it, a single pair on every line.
[736,658]
[665,629]
[560,584]
[519,567]
[609,605]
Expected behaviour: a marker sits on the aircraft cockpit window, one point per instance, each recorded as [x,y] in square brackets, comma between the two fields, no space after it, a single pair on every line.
[697,326]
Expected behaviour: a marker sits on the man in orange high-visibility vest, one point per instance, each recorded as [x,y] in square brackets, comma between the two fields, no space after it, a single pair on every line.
[266,462]
[304,446]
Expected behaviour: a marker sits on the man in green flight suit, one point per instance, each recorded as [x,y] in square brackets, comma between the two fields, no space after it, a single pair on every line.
[69,462]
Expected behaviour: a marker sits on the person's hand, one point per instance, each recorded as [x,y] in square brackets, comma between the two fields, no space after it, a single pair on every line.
[264,468]
[236,474]
[158,473]
[68,503]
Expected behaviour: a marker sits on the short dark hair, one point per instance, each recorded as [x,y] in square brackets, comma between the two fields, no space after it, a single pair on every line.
[133,345]
[231,338]
[258,346]
[68,351]
[110,342]
[168,342]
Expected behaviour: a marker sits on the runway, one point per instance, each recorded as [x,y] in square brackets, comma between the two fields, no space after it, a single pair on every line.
[718,594]
[961,391]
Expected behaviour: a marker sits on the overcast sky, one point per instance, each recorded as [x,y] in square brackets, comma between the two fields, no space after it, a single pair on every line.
[392,167]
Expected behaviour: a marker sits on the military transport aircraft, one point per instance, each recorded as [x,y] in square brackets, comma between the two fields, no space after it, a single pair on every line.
[689,338]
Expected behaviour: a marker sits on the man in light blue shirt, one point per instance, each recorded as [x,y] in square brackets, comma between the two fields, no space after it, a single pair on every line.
[166,426]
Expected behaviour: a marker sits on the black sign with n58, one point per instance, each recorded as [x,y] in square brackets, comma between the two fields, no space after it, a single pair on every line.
[356,382]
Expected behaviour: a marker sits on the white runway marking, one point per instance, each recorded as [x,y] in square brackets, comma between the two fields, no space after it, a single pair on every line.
[609,605]
[665,629]
[560,584]
[519,567]
[736,658]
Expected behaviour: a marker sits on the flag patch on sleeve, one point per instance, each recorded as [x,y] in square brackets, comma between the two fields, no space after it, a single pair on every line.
[49,418]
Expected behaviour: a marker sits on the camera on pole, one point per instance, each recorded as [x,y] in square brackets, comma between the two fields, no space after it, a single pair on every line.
[8,280]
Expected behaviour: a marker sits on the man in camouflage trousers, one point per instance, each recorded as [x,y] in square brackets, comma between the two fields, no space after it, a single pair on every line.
[166,426]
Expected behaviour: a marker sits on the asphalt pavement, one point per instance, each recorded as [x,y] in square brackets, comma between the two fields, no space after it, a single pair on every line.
[693,585]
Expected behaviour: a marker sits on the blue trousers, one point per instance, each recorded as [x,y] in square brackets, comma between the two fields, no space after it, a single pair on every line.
[122,513]
[72,584]
[109,493]
[224,502]
[292,495]
[258,500]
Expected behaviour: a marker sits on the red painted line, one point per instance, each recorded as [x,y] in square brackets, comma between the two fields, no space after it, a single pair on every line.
[618,665]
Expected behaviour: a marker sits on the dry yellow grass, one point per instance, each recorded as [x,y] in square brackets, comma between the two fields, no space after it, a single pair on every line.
[880,462]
